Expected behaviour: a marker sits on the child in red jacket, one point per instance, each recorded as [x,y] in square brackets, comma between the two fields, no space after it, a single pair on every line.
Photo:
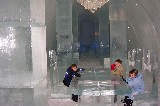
[116,73]
[117,68]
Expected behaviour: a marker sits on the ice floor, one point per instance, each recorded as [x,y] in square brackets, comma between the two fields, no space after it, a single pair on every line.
[68,102]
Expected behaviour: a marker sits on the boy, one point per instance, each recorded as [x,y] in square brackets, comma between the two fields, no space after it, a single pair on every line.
[71,74]
[136,83]
[117,69]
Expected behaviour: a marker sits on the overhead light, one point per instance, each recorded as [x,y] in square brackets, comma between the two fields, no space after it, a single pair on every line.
[92,5]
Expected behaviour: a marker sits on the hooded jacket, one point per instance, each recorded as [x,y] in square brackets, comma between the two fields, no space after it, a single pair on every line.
[136,83]
[69,75]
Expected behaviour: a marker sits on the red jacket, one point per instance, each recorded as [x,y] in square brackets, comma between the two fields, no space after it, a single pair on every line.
[113,66]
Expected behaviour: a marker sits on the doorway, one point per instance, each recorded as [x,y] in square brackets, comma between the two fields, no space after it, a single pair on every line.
[89,49]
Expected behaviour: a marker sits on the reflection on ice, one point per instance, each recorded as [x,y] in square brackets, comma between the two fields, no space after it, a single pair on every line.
[7,40]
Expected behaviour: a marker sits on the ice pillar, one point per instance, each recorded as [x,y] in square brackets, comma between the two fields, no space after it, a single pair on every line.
[118,39]
[104,32]
[76,43]
[64,35]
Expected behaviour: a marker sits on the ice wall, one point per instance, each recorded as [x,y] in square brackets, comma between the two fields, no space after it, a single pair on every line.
[23,69]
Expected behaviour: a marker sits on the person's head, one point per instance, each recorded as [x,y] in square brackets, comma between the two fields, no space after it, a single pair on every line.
[133,73]
[118,62]
[74,67]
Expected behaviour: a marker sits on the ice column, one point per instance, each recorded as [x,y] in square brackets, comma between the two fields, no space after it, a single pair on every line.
[64,35]
[118,39]
[76,43]
[39,54]
[104,32]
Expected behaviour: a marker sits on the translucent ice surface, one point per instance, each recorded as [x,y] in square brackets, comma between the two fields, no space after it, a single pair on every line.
[22,78]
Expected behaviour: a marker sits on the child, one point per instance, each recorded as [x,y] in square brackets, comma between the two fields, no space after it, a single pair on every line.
[70,73]
[70,77]
[136,83]
[117,69]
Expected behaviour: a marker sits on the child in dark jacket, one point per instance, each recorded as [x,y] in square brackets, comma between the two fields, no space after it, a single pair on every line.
[71,76]
[70,73]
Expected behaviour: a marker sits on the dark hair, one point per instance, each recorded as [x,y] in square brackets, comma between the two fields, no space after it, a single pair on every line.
[134,71]
[119,61]
[73,65]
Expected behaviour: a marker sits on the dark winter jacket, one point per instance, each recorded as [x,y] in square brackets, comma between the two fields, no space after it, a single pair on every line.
[69,75]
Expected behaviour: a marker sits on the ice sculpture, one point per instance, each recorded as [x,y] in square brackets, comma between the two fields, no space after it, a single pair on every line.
[155,63]
[146,66]
[131,57]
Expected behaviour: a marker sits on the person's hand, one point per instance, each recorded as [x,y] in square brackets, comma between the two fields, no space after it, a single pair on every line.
[121,75]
